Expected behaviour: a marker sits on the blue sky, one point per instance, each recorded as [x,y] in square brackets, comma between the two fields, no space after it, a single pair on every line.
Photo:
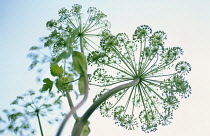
[186,22]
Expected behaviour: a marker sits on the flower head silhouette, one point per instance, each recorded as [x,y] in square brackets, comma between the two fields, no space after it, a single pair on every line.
[161,79]
[29,107]
[71,25]
[72,31]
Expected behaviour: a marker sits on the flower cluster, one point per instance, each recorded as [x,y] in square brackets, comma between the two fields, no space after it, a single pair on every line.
[28,107]
[71,23]
[156,96]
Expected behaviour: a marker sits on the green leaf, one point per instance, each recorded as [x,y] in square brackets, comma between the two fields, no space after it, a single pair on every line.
[64,83]
[63,55]
[79,62]
[81,85]
[69,43]
[55,69]
[48,85]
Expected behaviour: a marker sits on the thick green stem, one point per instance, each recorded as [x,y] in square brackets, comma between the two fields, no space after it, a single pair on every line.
[83,120]
[40,125]
[71,105]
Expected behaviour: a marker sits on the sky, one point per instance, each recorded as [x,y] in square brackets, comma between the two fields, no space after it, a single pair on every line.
[186,23]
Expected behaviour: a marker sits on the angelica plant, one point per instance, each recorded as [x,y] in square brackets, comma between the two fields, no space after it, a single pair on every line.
[68,42]
[146,78]
[161,79]
[141,80]
[70,34]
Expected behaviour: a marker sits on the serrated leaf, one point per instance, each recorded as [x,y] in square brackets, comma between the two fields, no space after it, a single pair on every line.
[55,69]
[81,85]
[48,85]
[79,62]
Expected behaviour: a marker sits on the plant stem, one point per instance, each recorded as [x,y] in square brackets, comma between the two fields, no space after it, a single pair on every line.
[71,105]
[40,125]
[73,110]
[78,127]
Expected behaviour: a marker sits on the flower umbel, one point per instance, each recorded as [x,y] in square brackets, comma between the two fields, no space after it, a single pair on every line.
[156,96]
[71,26]
[28,108]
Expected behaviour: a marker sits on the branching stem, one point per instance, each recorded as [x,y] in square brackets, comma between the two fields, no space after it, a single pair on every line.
[84,98]
[82,121]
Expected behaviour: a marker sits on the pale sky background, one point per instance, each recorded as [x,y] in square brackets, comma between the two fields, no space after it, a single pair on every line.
[186,22]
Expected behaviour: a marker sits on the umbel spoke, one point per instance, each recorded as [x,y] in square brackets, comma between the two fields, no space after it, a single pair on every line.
[152,89]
